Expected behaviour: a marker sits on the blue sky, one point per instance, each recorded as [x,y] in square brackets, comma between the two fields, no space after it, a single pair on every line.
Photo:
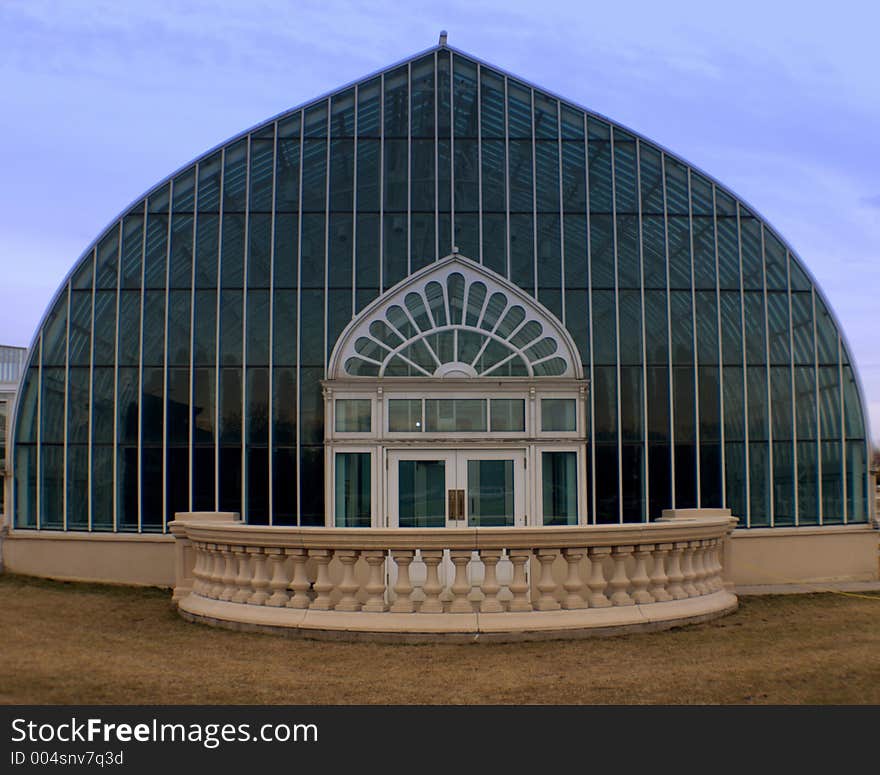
[780,101]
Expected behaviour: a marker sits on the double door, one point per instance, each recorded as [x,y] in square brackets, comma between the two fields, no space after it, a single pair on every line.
[456,488]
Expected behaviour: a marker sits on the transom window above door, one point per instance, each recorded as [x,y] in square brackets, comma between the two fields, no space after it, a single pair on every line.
[455,319]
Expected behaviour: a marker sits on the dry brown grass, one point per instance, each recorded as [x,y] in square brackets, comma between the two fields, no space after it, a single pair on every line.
[89,644]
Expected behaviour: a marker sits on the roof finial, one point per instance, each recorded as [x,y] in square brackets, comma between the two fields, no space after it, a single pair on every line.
[455,250]
[442,37]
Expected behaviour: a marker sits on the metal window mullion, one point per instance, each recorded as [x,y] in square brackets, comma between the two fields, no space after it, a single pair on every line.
[794,436]
[302,128]
[327,235]
[479,167]
[671,399]
[590,321]
[165,359]
[818,408]
[217,334]
[271,409]
[91,388]
[39,496]
[140,445]
[381,184]
[354,207]
[562,304]
[244,319]
[617,325]
[436,160]
[192,321]
[772,480]
[66,402]
[116,377]
[696,414]
[535,197]
[720,351]
[646,515]
[843,457]
[409,152]
[507,170]
[745,379]
[452,150]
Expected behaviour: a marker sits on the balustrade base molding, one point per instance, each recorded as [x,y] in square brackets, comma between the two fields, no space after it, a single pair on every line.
[474,627]
[460,584]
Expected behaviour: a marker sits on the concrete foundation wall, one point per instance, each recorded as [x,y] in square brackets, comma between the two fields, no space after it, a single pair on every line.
[101,557]
[805,554]
[759,556]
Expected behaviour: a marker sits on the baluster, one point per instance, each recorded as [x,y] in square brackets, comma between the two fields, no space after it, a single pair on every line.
[715,581]
[243,579]
[490,604]
[432,587]
[619,581]
[546,584]
[219,569]
[198,560]
[675,575]
[299,584]
[460,586]
[519,587]
[659,579]
[259,578]
[348,586]
[700,568]
[375,587]
[403,588]
[209,579]
[640,580]
[573,582]
[597,581]
[322,585]
[230,571]
[279,578]
[687,568]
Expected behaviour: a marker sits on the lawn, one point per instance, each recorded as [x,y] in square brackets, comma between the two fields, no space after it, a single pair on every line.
[90,644]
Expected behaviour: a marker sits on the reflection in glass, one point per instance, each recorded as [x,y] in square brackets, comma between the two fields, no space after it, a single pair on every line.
[558,414]
[353,415]
[559,486]
[507,414]
[405,415]
[490,493]
[353,489]
[458,415]
[421,493]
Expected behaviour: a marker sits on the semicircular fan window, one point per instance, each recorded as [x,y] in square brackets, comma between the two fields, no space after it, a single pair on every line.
[455,326]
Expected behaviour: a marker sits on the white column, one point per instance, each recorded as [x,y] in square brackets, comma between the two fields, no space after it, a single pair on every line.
[348,586]
[619,581]
[519,587]
[280,577]
[659,579]
[322,585]
[490,603]
[640,580]
[460,586]
[573,581]
[403,603]
[432,588]
[259,577]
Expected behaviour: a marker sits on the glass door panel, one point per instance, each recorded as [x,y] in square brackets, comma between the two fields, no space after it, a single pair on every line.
[490,493]
[421,493]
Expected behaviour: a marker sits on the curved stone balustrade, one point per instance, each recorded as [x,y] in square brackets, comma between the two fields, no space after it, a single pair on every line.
[496,583]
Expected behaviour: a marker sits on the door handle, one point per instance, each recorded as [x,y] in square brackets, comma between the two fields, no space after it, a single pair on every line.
[461,511]
[452,504]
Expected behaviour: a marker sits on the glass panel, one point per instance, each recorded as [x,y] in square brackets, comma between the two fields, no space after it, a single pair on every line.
[421,493]
[559,485]
[353,415]
[455,414]
[507,414]
[353,489]
[405,415]
[490,493]
[558,414]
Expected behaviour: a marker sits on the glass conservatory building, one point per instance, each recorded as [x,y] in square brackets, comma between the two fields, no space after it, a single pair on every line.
[437,297]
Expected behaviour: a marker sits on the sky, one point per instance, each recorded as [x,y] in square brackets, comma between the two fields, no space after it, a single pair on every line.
[779,101]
